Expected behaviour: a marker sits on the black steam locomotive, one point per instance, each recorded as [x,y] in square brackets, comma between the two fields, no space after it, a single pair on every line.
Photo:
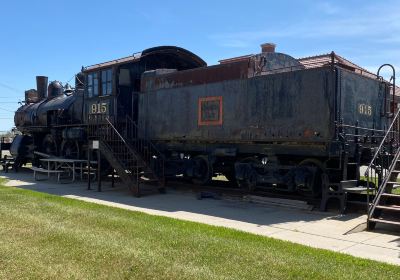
[54,118]
[264,120]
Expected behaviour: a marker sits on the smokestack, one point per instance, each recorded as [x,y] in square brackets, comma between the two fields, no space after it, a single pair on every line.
[41,85]
[268,48]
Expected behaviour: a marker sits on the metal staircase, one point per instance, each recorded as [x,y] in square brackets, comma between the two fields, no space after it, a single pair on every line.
[136,160]
[381,176]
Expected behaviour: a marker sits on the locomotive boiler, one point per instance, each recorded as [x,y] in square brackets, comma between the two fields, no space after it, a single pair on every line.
[50,121]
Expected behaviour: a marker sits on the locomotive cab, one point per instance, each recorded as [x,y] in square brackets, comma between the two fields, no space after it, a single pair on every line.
[112,87]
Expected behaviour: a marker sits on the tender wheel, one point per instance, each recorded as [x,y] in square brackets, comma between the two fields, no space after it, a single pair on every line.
[309,180]
[250,181]
[49,145]
[202,170]
[70,149]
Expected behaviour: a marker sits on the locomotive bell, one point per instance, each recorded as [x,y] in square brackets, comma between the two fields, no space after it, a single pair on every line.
[68,90]
[55,89]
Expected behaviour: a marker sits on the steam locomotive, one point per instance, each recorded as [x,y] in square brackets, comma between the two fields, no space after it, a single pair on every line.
[54,118]
[264,120]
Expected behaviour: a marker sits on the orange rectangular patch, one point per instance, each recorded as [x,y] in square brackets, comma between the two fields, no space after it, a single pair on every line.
[210,110]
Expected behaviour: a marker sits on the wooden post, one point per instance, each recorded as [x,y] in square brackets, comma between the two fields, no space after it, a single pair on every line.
[98,171]
[1,147]
[88,164]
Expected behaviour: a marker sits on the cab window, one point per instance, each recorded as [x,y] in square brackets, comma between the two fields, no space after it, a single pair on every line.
[93,85]
[106,82]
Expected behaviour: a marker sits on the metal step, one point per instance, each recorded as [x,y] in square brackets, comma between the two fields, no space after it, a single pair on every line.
[391,195]
[132,167]
[393,183]
[127,155]
[134,175]
[148,180]
[384,221]
[387,207]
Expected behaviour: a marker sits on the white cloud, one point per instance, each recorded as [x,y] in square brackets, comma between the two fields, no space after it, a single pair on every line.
[379,24]
[328,8]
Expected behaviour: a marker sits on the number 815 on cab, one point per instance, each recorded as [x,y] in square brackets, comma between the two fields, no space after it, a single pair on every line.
[99,108]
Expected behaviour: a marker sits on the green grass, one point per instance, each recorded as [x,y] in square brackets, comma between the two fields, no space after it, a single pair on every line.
[49,237]
[375,180]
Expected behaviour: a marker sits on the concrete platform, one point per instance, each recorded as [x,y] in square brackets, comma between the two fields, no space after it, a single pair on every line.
[330,231]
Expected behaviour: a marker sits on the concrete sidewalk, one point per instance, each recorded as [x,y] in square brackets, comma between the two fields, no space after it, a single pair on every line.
[344,234]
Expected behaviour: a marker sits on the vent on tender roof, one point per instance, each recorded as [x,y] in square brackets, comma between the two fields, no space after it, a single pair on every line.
[268,48]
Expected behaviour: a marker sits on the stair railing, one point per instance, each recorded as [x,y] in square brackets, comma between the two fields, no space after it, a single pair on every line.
[128,147]
[383,162]
[101,127]
[146,149]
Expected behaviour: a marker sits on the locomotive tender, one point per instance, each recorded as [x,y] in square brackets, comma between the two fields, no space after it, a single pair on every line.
[264,120]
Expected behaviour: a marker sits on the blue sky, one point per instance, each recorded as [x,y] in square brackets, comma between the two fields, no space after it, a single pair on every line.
[56,38]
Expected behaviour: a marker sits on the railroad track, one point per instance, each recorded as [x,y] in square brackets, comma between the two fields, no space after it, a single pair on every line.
[224,188]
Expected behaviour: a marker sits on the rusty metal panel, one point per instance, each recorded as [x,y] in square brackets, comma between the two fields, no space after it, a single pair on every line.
[328,59]
[199,76]
[245,67]
[287,107]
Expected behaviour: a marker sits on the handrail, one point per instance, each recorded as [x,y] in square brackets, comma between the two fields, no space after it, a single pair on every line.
[119,135]
[381,188]
[383,165]
[361,128]
[330,61]
[382,142]
[147,150]
[393,78]
[148,142]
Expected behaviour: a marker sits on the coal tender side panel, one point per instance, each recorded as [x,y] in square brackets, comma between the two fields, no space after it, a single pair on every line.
[292,106]
[196,113]
[168,114]
[362,100]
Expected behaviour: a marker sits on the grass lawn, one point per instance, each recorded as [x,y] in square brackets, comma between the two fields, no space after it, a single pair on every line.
[49,237]
[394,191]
